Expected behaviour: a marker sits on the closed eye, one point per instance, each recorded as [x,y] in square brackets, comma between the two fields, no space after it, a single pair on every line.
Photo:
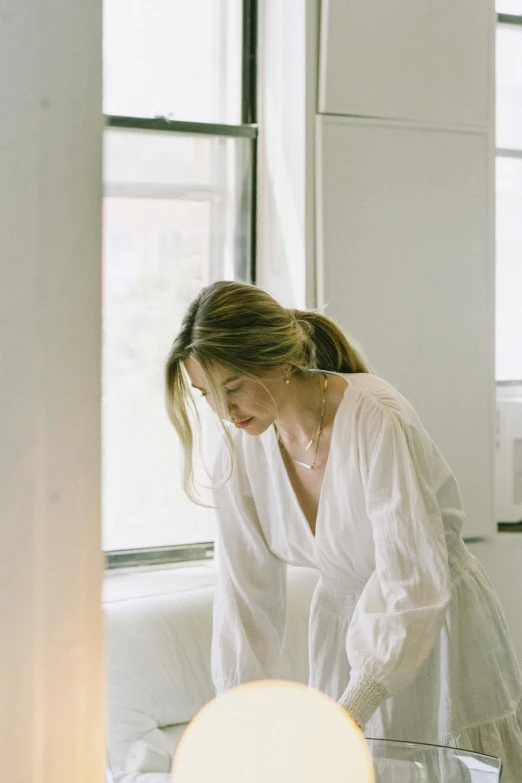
[228,391]
[236,389]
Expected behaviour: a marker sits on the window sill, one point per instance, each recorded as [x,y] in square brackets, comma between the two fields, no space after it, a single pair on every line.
[138,582]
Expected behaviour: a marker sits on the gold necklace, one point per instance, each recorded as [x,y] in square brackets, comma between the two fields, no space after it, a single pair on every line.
[320,420]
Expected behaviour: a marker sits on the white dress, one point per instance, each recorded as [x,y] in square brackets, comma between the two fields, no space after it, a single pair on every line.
[406,631]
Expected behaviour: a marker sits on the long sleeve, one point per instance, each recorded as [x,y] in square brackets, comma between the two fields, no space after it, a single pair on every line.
[250,601]
[400,613]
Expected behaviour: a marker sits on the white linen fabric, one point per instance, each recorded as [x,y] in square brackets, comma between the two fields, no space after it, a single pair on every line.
[406,631]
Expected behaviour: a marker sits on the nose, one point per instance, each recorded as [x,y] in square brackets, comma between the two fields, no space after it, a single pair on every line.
[233,411]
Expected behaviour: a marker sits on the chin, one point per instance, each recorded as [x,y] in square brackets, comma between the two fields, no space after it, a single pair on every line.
[258,428]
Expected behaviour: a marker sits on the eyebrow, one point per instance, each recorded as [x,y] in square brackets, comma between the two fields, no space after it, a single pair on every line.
[228,380]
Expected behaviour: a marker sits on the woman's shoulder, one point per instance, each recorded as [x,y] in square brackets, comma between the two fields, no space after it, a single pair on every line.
[374,393]
[371,401]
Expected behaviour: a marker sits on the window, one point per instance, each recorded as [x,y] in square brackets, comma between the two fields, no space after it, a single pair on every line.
[509,192]
[179,212]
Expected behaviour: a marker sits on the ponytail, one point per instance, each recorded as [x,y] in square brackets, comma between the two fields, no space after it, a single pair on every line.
[329,348]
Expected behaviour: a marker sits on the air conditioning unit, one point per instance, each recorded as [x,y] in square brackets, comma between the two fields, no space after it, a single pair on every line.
[508,465]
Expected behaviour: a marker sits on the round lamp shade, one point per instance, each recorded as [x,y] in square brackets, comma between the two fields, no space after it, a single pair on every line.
[272,732]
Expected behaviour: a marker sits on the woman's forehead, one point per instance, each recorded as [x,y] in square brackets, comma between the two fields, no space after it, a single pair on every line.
[197,377]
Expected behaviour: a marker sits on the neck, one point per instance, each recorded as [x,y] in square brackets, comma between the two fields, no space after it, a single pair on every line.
[297,416]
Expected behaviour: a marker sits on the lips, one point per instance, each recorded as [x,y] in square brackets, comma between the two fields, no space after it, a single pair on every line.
[242,424]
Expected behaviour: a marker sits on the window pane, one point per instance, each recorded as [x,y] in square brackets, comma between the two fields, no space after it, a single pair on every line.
[176,216]
[509,86]
[509,270]
[509,7]
[177,58]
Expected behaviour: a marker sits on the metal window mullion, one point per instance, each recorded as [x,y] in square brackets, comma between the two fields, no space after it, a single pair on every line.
[245,131]
[249,113]
[509,19]
[249,63]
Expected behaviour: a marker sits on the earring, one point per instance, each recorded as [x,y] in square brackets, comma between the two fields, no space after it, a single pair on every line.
[287,379]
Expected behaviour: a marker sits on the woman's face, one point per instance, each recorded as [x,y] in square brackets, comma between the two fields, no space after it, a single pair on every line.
[252,406]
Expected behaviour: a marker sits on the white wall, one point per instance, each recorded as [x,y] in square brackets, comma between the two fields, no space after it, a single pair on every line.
[51,672]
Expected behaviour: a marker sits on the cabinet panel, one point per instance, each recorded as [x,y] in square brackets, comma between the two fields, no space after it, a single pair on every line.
[408,59]
[405,264]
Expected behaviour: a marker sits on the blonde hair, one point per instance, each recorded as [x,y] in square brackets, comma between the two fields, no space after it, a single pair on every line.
[242,328]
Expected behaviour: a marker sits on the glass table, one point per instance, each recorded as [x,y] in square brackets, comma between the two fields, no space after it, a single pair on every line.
[412,762]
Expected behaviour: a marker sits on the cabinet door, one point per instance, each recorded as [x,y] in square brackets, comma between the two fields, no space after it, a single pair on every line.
[416,59]
[405,264]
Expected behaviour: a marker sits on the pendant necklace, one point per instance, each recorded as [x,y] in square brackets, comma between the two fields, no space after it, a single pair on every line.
[319,431]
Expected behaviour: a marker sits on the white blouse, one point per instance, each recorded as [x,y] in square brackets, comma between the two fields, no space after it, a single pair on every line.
[392,563]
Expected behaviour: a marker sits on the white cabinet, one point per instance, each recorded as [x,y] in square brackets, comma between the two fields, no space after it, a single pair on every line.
[414,59]
[404,252]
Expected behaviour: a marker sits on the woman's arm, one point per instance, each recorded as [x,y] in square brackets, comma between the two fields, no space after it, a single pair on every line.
[400,613]
[250,601]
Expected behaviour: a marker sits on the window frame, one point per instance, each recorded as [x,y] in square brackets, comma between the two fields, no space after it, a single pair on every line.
[507,152]
[512,20]
[248,129]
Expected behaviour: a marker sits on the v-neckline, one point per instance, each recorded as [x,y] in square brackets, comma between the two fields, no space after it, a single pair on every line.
[282,465]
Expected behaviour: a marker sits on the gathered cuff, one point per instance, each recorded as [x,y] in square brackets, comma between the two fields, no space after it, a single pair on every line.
[362,697]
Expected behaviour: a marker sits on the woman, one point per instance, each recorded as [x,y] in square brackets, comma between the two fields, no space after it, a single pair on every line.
[326,465]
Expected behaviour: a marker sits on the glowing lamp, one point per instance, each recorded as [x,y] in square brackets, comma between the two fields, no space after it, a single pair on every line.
[272,732]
